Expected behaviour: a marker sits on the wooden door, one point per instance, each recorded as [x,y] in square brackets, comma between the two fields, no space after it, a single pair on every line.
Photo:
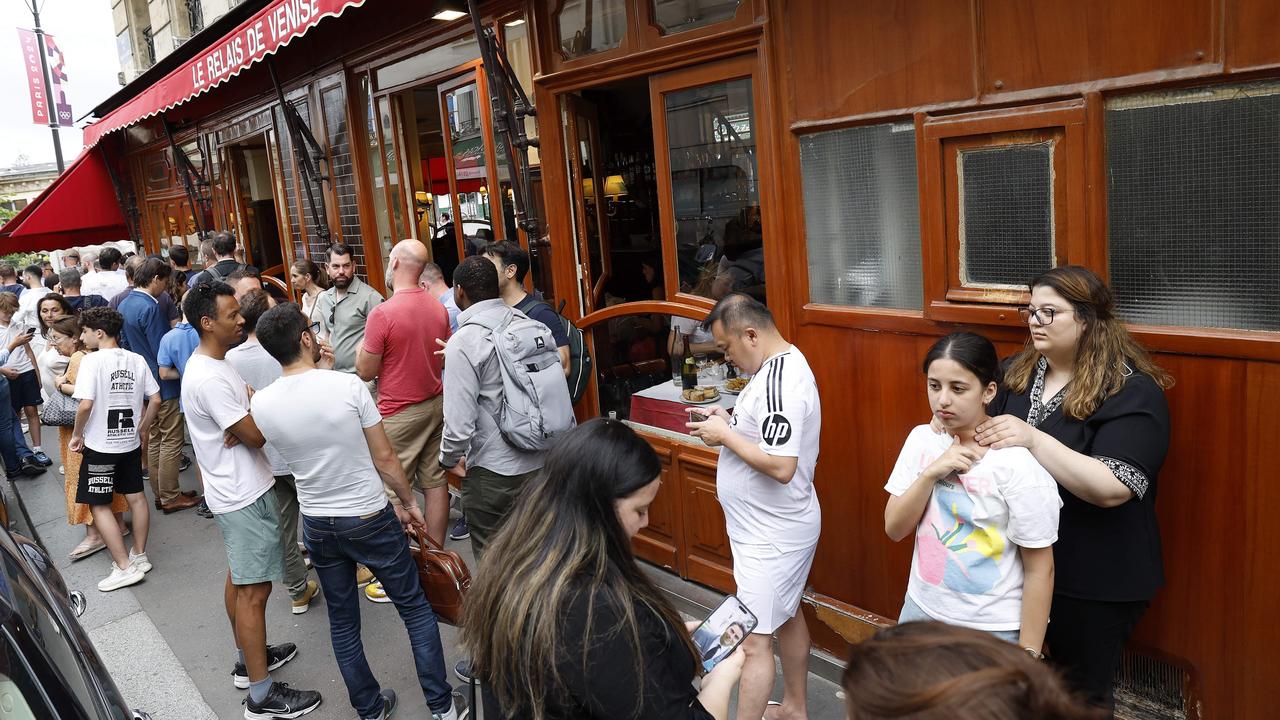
[465,119]
[586,183]
[660,543]
[707,557]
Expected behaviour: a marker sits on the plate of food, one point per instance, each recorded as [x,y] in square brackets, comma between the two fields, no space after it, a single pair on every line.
[700,395]
[733,386]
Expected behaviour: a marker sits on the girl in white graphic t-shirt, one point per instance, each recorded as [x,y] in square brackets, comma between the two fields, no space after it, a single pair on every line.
[985,520]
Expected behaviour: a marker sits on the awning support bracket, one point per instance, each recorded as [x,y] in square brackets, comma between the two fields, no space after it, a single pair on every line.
[510,107]
[128,208]
[307,153]
[193,181]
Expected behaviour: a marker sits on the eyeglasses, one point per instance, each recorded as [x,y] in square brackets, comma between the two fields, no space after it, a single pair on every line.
[333,312]
[314,327]
[1044,316]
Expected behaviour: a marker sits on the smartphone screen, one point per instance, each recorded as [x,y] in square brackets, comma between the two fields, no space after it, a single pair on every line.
[723,631]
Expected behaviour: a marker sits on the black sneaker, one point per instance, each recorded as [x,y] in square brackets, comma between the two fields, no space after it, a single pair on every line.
[460,531]
[281,701]
[184,463]
[30,467]
[203,510]
[388,705]
[277,655]
[42,458]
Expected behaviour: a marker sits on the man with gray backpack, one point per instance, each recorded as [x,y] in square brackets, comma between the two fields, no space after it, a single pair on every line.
[505,399]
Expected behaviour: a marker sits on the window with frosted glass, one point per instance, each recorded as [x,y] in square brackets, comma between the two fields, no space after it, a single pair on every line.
[590,26]
[862,216]
[673,16]
[1193,178]
[1006,214]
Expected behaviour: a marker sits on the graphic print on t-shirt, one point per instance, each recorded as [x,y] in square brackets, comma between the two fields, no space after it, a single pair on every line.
[952,549]
[120,425]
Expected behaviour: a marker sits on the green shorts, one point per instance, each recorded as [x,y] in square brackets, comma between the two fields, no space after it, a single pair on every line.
[255,551]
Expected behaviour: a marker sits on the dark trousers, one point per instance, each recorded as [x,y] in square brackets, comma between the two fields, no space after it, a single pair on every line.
[13,446]
[378,542]
[1085,639]
[488,498]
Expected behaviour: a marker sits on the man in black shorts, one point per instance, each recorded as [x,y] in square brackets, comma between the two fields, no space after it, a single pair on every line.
[119,398]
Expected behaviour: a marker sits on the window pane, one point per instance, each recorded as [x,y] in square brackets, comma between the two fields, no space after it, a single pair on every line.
[1193,177]
[862,216]
[589,26]
[675,16]
[373,156]
[424,64]
[467,136]
[1006,214]
[714,193]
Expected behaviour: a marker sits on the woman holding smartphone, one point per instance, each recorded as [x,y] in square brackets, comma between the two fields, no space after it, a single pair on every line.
[1088,402]
[560,620]
[984,520]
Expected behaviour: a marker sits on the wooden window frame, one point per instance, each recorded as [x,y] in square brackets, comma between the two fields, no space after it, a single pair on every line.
[736,68]
[652,36]
[945,297]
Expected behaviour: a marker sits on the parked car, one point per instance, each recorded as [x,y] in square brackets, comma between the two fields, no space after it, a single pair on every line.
[48,666]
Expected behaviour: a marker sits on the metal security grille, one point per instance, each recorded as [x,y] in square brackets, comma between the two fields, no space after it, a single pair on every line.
[862,216]
[1194,207]
[1148,688]
[1006,214]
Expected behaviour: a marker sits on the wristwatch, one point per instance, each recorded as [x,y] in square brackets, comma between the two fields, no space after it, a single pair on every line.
[1034,653]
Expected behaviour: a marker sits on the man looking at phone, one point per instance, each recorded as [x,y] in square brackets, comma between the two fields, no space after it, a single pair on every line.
[765,484]
[340,476]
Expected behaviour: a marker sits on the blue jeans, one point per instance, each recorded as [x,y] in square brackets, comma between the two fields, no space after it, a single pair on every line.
[13,446]
[378,542]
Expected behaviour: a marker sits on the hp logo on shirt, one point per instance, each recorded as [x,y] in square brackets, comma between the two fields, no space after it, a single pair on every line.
[775,429]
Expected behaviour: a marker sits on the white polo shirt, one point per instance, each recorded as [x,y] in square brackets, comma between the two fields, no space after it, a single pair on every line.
[781,412]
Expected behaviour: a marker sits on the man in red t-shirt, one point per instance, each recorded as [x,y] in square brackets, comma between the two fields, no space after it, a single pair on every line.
[399,349]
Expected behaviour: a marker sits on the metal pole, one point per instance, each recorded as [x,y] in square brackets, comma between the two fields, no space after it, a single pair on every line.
[50,103]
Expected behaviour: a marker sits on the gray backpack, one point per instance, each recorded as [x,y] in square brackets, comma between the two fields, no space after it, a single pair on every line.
[535,405]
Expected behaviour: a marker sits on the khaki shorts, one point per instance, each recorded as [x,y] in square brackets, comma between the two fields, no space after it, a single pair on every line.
[415,433]
[255,550]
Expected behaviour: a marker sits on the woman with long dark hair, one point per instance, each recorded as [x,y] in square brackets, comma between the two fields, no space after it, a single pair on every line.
[561,622]
[1088,402]
[931,671]
[983,521]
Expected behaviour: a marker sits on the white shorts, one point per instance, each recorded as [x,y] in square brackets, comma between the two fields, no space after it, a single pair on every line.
[771,581]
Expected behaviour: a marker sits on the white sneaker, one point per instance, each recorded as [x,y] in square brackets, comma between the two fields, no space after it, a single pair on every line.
[140,561]
[121,578]
[62,469]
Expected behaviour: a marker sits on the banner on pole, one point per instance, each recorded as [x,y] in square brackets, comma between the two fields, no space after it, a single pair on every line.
[35,77]
[58,75]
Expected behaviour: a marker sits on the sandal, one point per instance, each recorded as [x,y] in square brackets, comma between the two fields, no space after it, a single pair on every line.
[86,548]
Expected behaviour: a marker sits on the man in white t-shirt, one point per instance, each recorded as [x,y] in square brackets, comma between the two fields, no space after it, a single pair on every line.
[259,370]
[346,515]
[764,481]
[118,400]
[238,488]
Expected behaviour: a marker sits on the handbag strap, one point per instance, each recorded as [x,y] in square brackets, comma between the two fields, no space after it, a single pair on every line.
[419,532]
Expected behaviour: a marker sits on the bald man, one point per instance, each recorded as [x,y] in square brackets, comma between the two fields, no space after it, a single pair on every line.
[399,349]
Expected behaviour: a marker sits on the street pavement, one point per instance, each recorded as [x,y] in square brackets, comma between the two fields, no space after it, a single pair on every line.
[167,641]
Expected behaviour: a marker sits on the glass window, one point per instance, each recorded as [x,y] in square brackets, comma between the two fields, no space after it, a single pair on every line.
[1192,181]
[862,216]
[590,26]
[426,64]
[515,35]
[1006,214]
[466,136]
[673,16]
[373,154]
[714,189]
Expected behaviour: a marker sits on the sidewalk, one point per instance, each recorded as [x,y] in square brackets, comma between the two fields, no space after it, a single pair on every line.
[167,642]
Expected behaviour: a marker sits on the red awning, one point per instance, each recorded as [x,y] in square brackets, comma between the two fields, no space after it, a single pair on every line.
[78,208]
[268,30]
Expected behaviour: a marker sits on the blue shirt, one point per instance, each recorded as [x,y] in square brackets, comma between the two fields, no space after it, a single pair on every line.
[451,306]
[177,347]
[145,325]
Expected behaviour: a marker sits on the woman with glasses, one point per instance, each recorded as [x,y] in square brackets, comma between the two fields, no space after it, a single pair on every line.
[1088,402]
[308,281]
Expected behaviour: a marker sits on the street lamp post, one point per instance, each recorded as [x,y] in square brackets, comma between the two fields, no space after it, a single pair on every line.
[48,86]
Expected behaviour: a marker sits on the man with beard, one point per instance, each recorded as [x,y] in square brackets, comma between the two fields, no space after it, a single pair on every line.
[345,306]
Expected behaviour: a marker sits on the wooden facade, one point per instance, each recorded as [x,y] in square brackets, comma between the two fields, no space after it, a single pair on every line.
[959,76]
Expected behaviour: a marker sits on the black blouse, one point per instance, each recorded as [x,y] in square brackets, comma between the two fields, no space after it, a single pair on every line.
[610,689]
[1110,554]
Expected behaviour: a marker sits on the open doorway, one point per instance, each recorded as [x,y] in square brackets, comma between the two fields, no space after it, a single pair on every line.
[254,193]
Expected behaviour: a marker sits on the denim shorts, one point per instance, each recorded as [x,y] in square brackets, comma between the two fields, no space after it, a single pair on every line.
[911,612]
[255,550]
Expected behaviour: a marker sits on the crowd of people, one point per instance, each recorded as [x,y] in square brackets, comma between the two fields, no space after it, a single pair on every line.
[1029,495]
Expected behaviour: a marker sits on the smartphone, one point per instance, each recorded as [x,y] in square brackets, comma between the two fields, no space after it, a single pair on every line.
[697,416]
[723,631]
[31,331]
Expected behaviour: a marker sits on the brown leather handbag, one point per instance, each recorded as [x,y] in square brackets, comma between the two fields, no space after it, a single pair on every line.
[443,573]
